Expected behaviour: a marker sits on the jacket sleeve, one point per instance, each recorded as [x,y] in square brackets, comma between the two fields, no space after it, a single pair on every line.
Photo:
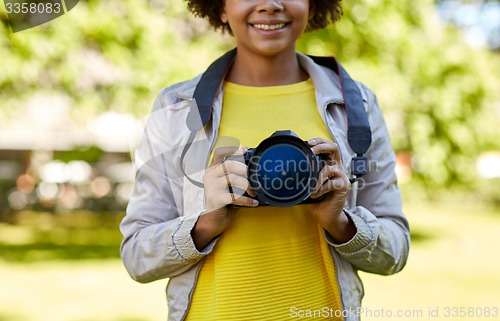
[157,240]
[382,240]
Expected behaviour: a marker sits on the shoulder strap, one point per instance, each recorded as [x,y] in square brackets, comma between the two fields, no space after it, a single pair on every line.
[207,88]
[359,135]
[358,128]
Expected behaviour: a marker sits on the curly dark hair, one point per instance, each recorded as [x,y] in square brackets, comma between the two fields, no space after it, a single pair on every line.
[325,12]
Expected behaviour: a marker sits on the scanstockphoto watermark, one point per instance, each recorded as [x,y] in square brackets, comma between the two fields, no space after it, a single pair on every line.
[283,174]
[360,312]
[291,174]
[435,312]
[27,14]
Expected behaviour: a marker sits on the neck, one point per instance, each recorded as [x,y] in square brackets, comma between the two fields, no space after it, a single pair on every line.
[258,70]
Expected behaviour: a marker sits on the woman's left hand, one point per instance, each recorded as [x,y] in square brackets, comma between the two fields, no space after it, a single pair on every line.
[334,184]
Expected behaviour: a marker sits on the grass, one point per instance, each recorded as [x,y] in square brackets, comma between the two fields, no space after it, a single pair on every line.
[66,268]
[77,291]
[32,236]
[453,264]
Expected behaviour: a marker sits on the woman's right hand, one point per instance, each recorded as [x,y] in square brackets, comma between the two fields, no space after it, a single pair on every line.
[221,178]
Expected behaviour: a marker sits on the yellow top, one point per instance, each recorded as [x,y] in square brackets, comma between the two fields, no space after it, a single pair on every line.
[270,262]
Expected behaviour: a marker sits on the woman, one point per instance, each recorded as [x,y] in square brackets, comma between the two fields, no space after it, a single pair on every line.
[250,262]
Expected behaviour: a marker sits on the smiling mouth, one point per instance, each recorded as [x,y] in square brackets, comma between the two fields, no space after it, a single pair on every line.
[269,27]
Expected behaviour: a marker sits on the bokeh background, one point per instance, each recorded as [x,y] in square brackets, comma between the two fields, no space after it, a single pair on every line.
[74,94]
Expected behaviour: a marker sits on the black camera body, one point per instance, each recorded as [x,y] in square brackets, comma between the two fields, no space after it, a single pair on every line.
[283,170]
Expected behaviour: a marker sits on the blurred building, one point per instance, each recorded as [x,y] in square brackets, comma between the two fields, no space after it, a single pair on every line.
[49,162]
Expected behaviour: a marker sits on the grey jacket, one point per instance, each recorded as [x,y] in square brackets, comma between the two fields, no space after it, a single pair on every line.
[165,205]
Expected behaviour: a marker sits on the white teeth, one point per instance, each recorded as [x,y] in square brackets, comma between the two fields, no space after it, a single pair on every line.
[270,27]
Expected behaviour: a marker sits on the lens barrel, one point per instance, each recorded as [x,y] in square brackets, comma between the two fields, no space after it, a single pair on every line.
[283,170]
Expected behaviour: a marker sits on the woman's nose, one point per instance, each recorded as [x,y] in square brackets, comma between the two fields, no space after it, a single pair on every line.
[270,6]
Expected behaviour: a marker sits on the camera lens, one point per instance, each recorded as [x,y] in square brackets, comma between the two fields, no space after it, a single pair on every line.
[283,172]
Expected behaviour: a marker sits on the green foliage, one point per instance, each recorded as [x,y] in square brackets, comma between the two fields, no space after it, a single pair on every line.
[440,97]
[104,55]
[41,236]
[90,154]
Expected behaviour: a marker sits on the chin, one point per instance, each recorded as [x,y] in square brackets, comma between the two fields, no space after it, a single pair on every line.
[274,50]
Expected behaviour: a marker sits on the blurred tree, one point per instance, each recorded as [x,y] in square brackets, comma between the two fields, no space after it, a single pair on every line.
[104,55]
[440,97]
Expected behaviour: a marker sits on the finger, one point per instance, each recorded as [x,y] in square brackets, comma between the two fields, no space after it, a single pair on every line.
[250,191]
[323,146]
[222,153]
[232,167]
[340,186]
[315,141]
[228,174]
[331,150]
[330,172]
[235,181]
[240,185]
[241,200]
[323,189]
[225,199]
[323,176]
[227,166]
[235,176]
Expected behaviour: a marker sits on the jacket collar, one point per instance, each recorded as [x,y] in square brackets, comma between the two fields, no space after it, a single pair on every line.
[326,81]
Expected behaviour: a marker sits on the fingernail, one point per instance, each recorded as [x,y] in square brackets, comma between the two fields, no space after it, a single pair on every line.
[312,141]
[255,203]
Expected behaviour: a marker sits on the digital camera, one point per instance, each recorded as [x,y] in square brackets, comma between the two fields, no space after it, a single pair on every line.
[283,170]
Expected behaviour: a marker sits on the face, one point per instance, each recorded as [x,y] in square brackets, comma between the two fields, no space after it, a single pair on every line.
[266,27]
